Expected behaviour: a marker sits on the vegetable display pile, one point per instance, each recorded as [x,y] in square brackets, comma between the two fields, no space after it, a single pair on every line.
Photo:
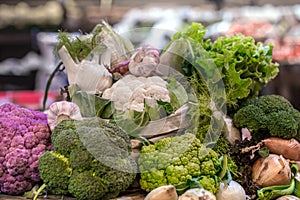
[185,122]
[24,137]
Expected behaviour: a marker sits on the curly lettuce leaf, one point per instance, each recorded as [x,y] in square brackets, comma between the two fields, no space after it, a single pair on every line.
[246,66]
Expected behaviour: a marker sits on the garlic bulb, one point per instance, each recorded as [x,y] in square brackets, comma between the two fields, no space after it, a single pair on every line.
[89,75]
[232,191]
[197,194]
[62,110]
[144,61]
[166,192]
[270,171]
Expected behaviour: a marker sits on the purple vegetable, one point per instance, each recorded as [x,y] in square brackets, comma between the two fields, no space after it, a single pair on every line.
[24,136]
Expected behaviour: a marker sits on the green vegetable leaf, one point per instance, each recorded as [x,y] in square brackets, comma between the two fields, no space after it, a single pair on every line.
[189,184]
[91,105]
[178,96]
[131,121]
[167,106]
[272,192]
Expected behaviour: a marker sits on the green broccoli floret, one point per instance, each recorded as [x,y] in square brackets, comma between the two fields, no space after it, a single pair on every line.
[269,115]
[65,142]
[272,103]
[98,155]
[252,116]
[81,182]
[64,125]
[80,159]
[176,160]
[55,171]
[209,183]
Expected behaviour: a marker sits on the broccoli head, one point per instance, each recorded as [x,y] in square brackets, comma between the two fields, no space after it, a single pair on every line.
[269,115]
[68,125]
[176,160]
[97,153]
[55,172]
[81,182]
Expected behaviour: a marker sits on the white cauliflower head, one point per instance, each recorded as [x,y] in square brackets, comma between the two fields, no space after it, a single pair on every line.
[130,92]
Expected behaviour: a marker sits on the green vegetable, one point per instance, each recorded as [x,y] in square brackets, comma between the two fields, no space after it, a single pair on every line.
[225,72]
[176,160]
[269,115]
[186,53]
[272,192]
[91,160]
[55,171]
[103,34]
[91,105]
[297,185]
[244,65]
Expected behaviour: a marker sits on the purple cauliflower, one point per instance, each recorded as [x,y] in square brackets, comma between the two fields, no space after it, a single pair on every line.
[24,137]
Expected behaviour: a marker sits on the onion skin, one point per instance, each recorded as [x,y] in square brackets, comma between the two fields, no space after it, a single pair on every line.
[289,149]
[288,197]
[166,192]
[232,191]
[270,171]
[197,194]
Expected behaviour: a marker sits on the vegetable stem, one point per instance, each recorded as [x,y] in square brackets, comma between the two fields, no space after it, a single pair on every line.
[224,166]
[57,68]
[271,192]
[39,191]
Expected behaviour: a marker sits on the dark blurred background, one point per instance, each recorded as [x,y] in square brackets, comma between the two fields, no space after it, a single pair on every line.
[28,31]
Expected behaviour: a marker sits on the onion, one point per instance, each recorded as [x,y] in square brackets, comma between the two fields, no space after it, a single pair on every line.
[270,171]
[288,197]
[197,194]
[232,191]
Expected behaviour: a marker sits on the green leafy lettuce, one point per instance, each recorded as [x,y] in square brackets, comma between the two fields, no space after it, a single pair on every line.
[224,73]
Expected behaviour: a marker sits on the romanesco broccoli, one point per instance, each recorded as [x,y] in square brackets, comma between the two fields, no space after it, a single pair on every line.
[176,160]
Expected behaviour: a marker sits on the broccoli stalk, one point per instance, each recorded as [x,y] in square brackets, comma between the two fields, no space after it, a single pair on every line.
[39,191]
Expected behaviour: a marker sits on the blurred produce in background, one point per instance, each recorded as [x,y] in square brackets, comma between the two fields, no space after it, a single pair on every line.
[28,31]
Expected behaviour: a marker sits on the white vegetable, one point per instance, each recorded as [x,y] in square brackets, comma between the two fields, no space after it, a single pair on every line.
[89,75]
[130,92]
[288,197]
[197,194]
[272,170]
[166,192]
[231,191]
[144,61]
[62,110]
[231,132]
